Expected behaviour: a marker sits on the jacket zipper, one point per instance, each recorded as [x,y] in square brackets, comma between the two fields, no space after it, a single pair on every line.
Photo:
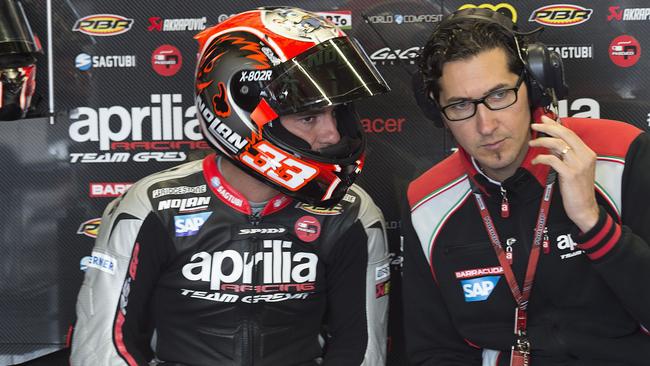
[248,354]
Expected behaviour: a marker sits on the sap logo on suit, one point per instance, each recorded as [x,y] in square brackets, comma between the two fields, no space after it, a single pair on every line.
[188,225]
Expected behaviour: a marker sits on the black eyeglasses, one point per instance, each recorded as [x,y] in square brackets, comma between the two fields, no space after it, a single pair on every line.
[496,100]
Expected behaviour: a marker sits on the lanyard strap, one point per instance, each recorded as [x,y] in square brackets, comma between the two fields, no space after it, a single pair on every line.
[520,296]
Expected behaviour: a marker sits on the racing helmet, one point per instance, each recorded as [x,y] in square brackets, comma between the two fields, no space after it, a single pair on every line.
[266,63]
[17,61]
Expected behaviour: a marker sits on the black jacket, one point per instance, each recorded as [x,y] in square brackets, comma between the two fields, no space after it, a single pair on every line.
[181,254]
[590,298]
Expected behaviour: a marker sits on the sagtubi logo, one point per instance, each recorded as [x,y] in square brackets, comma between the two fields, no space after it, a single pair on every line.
[561,15]
[503,8]
[85,62]
[103,25]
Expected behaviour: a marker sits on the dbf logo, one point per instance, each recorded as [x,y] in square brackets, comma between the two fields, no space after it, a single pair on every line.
[103,25]
[561,15]
[503,8]
[624,51]
[166,60]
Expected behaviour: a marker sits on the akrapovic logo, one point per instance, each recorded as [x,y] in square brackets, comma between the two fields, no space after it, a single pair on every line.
[191,204]
[158,24]
[108,125]
[561,15]
[276,264]
[103,25]
[615,13]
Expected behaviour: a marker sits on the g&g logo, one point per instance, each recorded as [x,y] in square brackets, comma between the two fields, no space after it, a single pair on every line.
[503,8]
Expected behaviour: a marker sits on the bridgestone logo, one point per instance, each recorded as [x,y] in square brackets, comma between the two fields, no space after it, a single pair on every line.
[160,192]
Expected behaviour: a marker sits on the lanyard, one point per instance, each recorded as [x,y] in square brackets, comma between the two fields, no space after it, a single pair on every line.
[521,296]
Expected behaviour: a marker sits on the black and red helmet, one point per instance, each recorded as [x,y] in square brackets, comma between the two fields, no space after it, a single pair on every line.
[271,62]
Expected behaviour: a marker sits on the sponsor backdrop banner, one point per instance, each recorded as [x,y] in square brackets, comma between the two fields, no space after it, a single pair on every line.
[117,78]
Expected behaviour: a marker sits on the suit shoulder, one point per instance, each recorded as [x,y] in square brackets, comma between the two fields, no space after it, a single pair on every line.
[439,176]
[605,137]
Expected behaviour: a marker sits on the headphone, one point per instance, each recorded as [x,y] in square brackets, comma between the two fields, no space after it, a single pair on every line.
[544,72]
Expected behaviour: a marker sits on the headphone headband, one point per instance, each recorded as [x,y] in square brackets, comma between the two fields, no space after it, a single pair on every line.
[544,69]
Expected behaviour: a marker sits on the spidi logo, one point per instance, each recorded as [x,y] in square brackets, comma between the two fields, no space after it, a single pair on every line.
[164,125]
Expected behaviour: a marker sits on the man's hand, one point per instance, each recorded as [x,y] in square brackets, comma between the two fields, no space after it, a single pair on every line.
[575,164]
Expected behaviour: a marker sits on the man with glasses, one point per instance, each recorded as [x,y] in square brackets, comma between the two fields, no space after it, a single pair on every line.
[529,245]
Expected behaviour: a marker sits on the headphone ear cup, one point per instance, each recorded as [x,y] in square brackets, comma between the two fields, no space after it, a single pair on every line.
[428,107]
[544,71]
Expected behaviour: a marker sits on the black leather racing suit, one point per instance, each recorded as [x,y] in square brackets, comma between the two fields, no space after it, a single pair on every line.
[180,255]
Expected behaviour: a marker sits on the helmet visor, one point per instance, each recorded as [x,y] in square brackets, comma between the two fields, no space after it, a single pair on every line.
[332,72]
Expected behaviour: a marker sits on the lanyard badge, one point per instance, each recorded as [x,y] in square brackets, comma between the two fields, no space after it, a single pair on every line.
[520,353]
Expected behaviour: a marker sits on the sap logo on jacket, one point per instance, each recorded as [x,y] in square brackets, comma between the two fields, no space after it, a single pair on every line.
[479,289]
[188,225]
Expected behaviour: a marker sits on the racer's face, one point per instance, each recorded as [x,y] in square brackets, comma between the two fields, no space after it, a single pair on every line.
[497,139]
[318,128]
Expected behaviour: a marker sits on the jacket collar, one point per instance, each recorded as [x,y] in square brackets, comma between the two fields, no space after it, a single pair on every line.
[232,197]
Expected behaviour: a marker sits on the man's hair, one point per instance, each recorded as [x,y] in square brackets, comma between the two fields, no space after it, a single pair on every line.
[460,40]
